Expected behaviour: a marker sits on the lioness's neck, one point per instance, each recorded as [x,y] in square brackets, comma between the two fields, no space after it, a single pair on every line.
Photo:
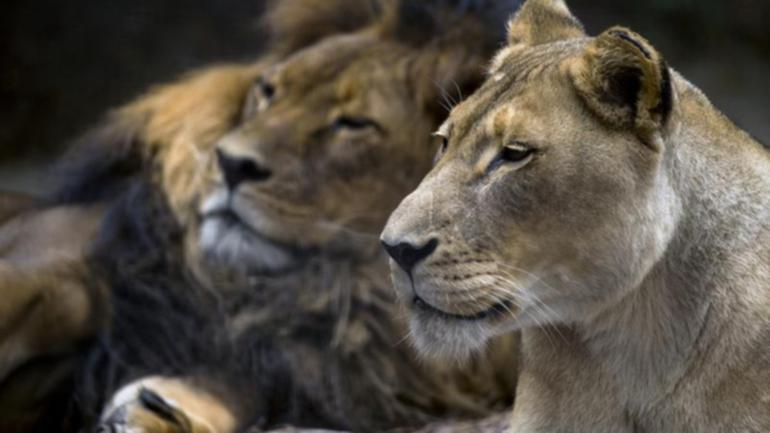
[706,292]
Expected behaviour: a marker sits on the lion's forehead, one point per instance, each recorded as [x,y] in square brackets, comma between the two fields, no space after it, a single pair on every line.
[347,65]
[506,110]
[510,100]
[521,61]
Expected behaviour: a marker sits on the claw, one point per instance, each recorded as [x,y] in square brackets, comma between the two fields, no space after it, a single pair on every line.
[156,404]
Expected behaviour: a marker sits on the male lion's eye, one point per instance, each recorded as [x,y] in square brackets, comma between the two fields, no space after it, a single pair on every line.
[259,98]
[350,122]
[267,89]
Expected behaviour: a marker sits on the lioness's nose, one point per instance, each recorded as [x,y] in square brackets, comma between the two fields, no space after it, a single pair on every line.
[238,169]
[408,255]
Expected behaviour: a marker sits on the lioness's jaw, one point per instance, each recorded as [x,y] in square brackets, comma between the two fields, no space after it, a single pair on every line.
[446,340]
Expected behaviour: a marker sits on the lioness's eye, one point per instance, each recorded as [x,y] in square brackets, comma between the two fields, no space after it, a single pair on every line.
[350,122]
[444,144]
[516,153]
[443,139]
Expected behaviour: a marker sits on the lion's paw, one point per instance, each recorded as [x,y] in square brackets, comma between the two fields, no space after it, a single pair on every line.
[149,413]
[165,405]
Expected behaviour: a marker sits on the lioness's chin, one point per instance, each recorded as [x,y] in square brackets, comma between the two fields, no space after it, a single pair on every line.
[448,339]
[228,243]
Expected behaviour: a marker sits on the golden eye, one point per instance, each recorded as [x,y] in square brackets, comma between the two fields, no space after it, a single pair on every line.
[516,152]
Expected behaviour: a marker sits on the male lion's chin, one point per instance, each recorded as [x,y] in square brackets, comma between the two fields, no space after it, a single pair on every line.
[445,339]
[229,245]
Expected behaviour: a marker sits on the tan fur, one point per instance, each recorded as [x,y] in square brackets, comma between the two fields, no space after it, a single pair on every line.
[179,124]
[541,23]
[48,300]
[193,409]
[630,247]
[48,295]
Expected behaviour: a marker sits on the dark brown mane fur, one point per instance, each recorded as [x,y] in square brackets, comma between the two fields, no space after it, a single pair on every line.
[314,348]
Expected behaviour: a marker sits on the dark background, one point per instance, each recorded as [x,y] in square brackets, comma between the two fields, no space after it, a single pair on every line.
[64,63]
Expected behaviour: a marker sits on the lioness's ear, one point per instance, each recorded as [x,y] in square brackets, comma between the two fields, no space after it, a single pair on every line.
[543,21]
[625,81]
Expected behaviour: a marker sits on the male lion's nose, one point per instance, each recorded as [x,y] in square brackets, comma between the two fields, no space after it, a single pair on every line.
[238,169]
[408,255]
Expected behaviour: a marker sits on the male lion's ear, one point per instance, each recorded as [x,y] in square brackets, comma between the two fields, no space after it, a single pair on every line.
[295,24]
[412,22]
[452,42]
[625,81]
[543,21]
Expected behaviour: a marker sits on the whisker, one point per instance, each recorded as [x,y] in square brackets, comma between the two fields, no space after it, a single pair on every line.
[540,307]
[403,339]
[540,325]
[459,91]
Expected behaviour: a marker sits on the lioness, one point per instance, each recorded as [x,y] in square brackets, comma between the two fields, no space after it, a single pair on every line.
[239,244]
[591,197]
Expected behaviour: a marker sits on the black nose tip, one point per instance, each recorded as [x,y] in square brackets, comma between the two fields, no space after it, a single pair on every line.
[408,255]
[236,170]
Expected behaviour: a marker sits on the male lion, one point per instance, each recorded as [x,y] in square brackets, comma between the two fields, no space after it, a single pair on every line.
[593,198]
[239,242]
